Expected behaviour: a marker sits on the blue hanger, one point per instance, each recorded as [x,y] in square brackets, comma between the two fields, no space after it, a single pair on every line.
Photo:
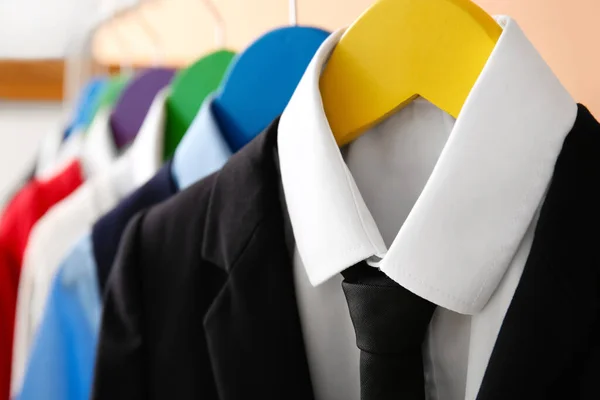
[255,90]
[83,112]
[261,80]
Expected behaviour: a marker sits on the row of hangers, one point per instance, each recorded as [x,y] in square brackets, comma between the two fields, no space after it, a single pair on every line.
[251,88]
[397,50]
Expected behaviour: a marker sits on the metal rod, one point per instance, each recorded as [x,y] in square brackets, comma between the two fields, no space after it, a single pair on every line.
[219,23]
[293,12]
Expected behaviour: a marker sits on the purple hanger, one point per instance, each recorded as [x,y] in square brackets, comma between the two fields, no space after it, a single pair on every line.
[133,105]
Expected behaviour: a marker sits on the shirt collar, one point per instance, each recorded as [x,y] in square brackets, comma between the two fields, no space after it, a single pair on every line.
[68,151]
[486,186]
[202,150]
[99,150]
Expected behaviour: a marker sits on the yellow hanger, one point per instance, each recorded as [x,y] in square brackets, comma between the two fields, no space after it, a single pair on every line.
[400,49]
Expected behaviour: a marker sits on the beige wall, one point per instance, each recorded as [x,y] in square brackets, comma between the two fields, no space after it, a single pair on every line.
[185,28]
[567,33]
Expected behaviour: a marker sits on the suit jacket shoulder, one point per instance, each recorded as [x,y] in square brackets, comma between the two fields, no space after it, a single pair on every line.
[158,279]
[201,280]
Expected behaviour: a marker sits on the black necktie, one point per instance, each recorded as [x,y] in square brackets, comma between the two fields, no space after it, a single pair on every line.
[390,324]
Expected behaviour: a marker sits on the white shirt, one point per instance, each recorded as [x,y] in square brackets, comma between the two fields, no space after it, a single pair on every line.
[54,234]
[54,155]
[445,208]
[95,149]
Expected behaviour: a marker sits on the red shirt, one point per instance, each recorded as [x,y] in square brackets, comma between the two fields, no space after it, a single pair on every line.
[19,217]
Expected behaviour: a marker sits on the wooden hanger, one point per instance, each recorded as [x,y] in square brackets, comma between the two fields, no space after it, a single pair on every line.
[400,49]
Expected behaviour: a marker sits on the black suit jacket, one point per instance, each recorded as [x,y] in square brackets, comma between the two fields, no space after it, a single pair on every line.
[201,301]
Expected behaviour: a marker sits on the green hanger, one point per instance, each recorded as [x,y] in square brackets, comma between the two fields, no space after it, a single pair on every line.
[188,90]
[111,93]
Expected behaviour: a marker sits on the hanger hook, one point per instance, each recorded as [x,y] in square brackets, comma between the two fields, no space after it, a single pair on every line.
[126,63]
[219,23]
[113,15]
[293,11]
[79,63]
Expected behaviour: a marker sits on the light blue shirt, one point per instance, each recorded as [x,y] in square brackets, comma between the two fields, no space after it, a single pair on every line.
[61,363]
[202,150]
[62,358]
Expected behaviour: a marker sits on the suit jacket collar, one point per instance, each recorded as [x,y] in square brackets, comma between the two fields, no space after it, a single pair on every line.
[254,318]
[253,172]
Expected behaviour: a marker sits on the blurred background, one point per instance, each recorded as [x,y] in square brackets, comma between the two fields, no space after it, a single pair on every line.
[49,47]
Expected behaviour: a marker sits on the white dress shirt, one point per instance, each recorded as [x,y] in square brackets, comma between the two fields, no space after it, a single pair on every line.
[95,149]
[54,234]
[445,208]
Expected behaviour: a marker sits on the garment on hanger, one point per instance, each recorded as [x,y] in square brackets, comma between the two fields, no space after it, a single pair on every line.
[68,330]
[382,205]
[107,232]
[56,233]
[281,55]
[27,177]
[95,148]
[189,89]
[268,71]
[202,150]
[447,209]
[50,148]
[93,153]
[18,218]
[111,93]
[131,108]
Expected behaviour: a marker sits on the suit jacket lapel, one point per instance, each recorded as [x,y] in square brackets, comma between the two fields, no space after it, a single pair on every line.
[550,325]
[253,328]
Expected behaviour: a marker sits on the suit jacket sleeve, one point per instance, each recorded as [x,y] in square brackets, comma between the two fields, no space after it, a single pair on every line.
[119,370]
